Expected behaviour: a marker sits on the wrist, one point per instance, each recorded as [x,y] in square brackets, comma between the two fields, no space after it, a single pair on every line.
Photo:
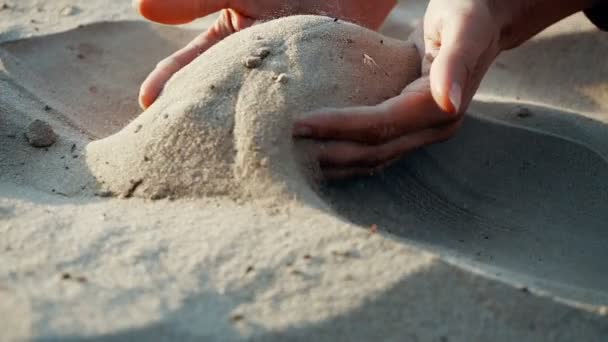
[520,20]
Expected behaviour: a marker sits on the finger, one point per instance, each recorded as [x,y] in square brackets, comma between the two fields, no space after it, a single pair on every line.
[228,23]
[347,155]
[177,11]
[413,110]
[463,41]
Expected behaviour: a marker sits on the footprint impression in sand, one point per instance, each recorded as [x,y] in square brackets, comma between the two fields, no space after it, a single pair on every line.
[223,124]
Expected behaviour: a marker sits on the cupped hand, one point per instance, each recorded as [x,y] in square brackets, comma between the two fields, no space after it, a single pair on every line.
[236,15]
[458,42]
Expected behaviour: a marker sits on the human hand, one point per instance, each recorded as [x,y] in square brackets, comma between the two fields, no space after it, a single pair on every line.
[235,16]
[458,42]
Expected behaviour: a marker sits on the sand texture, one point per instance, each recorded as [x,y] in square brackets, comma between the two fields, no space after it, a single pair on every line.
[497,235]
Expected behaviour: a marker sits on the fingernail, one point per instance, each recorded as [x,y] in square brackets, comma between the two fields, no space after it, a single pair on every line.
[302,131]
[456,96]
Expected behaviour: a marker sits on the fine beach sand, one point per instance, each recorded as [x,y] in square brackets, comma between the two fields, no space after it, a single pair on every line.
[500,234]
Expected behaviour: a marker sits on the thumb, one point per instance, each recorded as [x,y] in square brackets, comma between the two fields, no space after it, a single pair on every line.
[226,24]
[455,69]
[177,12]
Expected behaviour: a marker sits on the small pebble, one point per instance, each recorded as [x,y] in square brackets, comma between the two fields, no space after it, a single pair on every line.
[252,62]
[523,112]
[40,134]
[262,52]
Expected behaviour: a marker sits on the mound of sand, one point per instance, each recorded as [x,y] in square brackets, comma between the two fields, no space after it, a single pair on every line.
[223,124]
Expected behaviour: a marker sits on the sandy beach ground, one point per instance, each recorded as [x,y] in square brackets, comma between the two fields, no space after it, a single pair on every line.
[500,234]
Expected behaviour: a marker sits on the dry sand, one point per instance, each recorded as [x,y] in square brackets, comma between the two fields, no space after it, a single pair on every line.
[500,234]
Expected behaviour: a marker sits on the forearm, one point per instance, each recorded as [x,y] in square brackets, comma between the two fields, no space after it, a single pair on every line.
[522,19]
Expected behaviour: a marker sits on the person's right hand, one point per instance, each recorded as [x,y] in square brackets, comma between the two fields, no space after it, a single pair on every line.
[458,41]
[235,16]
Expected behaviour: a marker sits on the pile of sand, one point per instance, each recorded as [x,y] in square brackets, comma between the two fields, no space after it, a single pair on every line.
[223,124]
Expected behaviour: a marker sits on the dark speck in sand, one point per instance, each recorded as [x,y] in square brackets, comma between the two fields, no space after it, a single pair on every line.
[135,183]
[237,317]
[105,194]
[523,112]
[79,279]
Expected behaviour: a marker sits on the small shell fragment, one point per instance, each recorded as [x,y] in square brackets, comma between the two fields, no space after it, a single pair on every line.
[252,62]
[282,78]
